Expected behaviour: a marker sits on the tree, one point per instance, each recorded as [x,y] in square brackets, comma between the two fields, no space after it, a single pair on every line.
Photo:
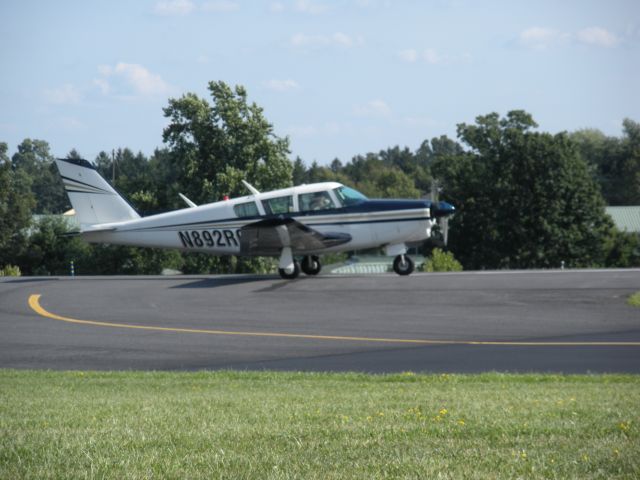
[631,164]
[523,199]
[132,177]
[34,159]
[299,172]
[50,252]
[622,249]
[441,261]
[16,203]
[409,164]
[218,145]
[616,161]
[213,147]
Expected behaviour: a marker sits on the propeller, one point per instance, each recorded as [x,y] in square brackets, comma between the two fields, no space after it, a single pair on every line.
[444,228]
[441,212]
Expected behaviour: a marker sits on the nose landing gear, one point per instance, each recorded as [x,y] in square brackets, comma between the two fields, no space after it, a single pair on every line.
[403,265]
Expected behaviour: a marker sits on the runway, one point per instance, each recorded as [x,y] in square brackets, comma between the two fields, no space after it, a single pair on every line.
[535,321]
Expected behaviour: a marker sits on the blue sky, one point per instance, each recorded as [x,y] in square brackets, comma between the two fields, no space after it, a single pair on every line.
[339,78]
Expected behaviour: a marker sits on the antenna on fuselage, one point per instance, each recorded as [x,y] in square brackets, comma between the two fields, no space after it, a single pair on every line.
[187,201]
[251,188]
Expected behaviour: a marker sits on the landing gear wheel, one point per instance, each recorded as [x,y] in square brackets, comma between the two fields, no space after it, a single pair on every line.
[311,265]
[403,265]
[290,275]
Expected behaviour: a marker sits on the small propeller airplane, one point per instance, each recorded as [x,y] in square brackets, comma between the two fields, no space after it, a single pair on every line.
[294,223]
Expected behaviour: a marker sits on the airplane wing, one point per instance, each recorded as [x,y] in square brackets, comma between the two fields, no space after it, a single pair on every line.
[270,236]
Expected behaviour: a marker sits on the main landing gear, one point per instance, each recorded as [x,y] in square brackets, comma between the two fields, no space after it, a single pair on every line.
[310,265]
[403,265]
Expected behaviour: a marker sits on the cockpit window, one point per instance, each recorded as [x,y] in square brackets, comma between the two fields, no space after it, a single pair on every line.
[349,196]
[277,205]
[315,201]
[248,209]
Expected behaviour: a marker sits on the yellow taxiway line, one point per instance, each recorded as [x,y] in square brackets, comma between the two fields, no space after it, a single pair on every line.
[34,303]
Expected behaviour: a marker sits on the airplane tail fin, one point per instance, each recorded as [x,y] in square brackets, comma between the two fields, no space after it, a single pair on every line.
[93,199]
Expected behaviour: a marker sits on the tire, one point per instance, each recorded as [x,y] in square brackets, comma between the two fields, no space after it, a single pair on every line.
[311,265]
[292,275]
[403,265]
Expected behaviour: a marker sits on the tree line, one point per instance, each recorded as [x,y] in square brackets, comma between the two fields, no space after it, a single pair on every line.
[524,198]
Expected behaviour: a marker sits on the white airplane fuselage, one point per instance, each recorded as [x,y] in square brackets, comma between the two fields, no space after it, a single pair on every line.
[215,228]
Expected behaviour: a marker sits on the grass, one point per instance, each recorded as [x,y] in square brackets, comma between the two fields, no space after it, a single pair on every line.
[634,300]
[291,425]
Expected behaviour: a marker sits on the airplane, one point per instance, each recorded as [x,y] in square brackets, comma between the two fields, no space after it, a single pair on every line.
[296,224]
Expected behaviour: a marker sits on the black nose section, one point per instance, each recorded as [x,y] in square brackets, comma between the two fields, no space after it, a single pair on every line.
[442,209]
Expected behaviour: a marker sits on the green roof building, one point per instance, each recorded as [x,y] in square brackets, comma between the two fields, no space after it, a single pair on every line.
[626,218]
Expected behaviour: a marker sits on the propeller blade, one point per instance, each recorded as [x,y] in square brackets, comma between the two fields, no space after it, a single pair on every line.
[445,229]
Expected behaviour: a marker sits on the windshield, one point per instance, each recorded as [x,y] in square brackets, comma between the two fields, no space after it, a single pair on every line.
[349,196]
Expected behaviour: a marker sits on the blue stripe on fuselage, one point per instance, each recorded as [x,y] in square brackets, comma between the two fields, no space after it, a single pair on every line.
[363,207]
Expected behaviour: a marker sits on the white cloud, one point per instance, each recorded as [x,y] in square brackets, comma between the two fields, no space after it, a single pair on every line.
[219,6]
[141,79]
[431,56]
[542,38]
[373,108]
[174,7]
[409,55]
[597,36]
[143,82]
[105,70]
[539,38]
[277,7]
[308,6]
[64,95]
[282,85]
[337,39]
[344,40]
[103,85]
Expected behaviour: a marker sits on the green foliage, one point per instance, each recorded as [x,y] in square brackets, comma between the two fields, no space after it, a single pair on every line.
[16,203]
[616,161]
[634,300]
[523,199]
[441,261]
[377,179]
[220,144]
[299,172]
[33,158]
[10,271]
[124,260]
[49,252]
[622,249]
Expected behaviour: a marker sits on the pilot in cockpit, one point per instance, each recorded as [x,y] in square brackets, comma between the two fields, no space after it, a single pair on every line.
[320,201]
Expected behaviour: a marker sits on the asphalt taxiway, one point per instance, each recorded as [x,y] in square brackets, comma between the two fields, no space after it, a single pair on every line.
[535,321]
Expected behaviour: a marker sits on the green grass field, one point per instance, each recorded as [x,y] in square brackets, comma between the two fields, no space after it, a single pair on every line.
[286,425]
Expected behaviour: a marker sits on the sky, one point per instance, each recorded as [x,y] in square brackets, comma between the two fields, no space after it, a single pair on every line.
[339,78]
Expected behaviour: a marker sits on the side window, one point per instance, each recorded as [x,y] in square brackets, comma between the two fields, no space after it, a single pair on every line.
[277,205]
[248,209]
[315,201]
